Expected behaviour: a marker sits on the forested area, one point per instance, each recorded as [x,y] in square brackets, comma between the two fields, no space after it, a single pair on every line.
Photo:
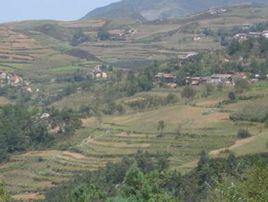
[146,177]
[24,128]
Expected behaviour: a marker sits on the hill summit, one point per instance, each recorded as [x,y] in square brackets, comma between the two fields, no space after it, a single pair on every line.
[161,9]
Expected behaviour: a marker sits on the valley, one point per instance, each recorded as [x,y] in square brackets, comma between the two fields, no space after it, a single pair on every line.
[91,87]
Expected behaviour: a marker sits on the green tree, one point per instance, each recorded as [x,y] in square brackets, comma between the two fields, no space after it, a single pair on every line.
[86,193]
[78,38]
[4,196]
[135,185]
[232,96]
[188,92]
[103,34]
[160,127]
[241,85]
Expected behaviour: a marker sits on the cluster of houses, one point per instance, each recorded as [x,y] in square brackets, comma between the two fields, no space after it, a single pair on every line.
[120,34]
[244,36]
[217,11]
[11,79]
[14,80]
[170,79]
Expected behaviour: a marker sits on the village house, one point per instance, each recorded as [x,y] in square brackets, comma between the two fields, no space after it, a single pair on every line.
[255,34]
[117,35]
[265,34]
[15,80]
[216,79]
[99,74]
[241,37]
[170,80]
[189,55]
[11,79]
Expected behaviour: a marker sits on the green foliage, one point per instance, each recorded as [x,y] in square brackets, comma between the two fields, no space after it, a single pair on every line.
[208,89]
[160,127]
[232,96]
[241,85]
[140,179]
[137,83]
[103,34]
[84,193]
[188,92]
[79,37]
[4,196]
[242,134]
[251,112]
[255,187]
[22,128]
[136,186]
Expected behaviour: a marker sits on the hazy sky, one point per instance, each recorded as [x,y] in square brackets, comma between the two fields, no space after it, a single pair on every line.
[14,10]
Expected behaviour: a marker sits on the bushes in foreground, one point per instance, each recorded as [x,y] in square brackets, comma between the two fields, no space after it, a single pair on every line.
[144,178]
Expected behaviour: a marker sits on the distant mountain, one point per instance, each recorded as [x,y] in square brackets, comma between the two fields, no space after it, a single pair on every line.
[159,9]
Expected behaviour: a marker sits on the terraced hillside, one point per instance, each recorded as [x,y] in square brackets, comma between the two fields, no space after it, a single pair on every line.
[42,47]
[42,53]
[188,130]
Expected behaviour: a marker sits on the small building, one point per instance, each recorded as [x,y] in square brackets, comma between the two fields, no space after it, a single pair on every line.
[189,55]
[165,78]
[194,81]
[255,34]
[169,80]
[15,80]
[45,116]
[99,74]
[265,34]
[241,37]
[117,35]
[217,79]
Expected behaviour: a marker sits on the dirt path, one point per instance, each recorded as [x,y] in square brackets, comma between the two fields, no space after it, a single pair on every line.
[28,197]
[218,152]
[238,143]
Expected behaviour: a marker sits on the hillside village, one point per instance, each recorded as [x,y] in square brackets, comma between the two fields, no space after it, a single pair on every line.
[244,36]
[170,80]
[14,80]
[131,109]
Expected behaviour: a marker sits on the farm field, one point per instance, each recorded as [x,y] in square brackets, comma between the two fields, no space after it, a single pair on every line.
[188,130]
[38,49]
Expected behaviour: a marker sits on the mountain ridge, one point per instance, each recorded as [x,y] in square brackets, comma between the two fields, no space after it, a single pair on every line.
[161,9]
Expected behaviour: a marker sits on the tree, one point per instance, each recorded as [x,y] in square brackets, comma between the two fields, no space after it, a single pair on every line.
[203,159]
[178,130]
[160,128]
[231,163]
[188,92]
[4,196]
[84,193]
[232,95]
[208,89]
[242,134]
[103,34]
[136,186]
[171,98]
[78,38]
[181,77]
[241,85]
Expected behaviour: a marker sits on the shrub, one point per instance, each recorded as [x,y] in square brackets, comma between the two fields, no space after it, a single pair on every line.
[188,92]
[242,134]
[232,95]
[241,85]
